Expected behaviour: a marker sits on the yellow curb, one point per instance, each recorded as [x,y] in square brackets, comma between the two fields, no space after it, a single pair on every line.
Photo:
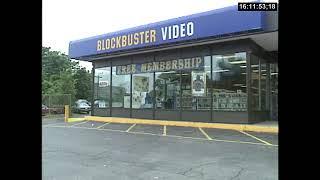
[75,119]
[255,128]
[239,127]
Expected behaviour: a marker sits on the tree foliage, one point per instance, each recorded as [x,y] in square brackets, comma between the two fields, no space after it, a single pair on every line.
[60,75]
[83,83]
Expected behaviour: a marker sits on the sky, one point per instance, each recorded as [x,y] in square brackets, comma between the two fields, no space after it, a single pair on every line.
[67,20]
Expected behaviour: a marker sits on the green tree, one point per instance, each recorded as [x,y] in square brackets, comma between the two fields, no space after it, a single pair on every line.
[61,75]
[83,84]
[66,84]
[54,62]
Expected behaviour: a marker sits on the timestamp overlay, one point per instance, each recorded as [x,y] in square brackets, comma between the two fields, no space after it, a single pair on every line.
[257,6]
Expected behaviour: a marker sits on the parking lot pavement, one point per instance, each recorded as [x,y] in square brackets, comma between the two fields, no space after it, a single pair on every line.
[117,126]
[90,124]
[61,123]
[185,132]
[231,135]
[79,153]
[175,131]
[52,121]
[144,128]
[269,137]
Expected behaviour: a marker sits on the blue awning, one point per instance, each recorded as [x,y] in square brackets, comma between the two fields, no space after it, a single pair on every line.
[208,24]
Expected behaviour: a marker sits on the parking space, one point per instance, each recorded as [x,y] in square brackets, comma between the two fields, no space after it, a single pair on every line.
[164,152]
[185,132]
[117,126]
[145,128]
[216,135]
[269,137]
[230,135]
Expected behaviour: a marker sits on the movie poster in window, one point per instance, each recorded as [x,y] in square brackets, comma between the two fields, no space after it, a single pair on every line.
[137,100]
[198,83]
[126,101]
[141,83]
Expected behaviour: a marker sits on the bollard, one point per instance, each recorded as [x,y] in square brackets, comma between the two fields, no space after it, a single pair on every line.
[66,113]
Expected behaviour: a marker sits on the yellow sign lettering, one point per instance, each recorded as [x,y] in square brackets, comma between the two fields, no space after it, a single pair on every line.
[152,35]
[98,45]
[113,45]
[118,42]
[107,43]
[136,39]
[124,41]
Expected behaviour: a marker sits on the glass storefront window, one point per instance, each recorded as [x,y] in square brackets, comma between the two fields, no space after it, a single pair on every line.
[229,77]
[258,80]
[255,83]
[195,87]
[120,90]
[263,84]
[167,87]
[274,91]
[102,87]
[142,91]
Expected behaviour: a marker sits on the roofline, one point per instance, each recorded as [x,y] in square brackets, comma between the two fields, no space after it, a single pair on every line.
[172,46]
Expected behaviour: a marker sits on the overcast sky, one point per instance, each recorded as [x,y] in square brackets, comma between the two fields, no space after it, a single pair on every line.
[67,20]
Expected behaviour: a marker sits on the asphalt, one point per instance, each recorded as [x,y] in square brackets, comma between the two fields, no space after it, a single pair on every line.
[74,151]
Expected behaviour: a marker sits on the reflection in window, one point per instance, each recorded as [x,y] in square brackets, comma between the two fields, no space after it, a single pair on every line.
[229,87]
[102,87]
[167,87]
[142,91]
[120,90]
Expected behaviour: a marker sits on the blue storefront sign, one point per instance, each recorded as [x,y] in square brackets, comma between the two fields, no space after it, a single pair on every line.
[198,26]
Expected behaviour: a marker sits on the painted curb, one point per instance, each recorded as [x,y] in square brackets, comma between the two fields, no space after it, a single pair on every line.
[239,127]
[75,119]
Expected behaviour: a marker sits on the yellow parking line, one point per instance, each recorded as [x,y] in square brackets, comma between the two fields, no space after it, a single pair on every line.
[103,125]
[243,142]
[205,134]
[79,127]
[115,130]
[186,137]
[256,138]
[130,128]
[79,123]
[144,133]
[164,130]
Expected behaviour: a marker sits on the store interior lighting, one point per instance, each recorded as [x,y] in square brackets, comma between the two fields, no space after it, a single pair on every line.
[222,70]
[237,62]
[251,66]
[222,57]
